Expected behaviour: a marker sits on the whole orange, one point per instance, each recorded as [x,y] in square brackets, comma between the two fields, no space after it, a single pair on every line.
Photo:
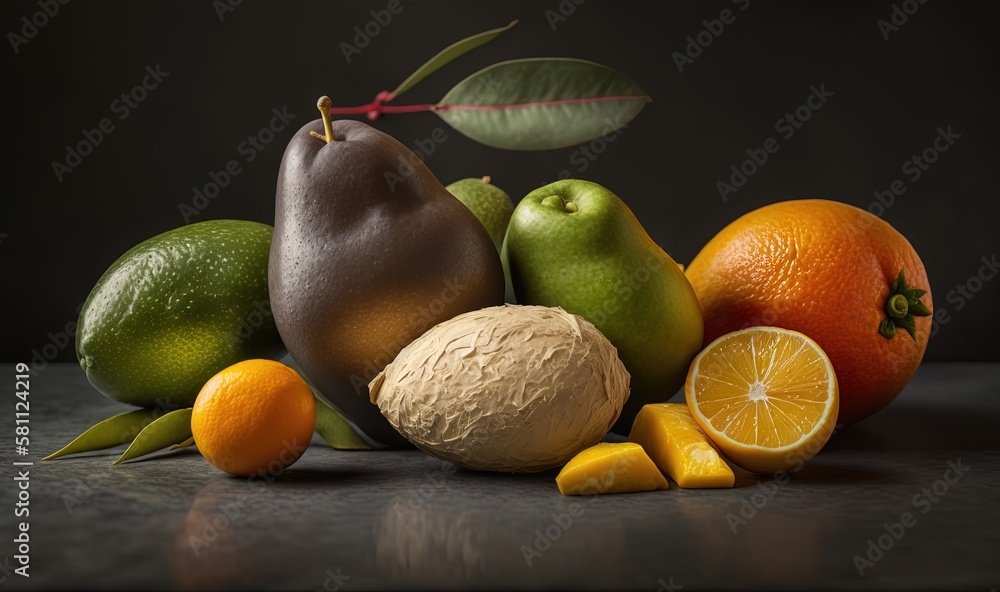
[834,272]
[255,417]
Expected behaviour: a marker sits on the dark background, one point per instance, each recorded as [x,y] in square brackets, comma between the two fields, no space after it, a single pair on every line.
[226,74]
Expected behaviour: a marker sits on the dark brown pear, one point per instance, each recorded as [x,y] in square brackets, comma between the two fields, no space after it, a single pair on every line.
[369,251]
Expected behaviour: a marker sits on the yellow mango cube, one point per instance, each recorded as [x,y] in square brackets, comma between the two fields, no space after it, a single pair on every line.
[672,438]
[610,468]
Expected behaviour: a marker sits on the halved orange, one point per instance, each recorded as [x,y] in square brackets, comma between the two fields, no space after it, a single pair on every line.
[766,396]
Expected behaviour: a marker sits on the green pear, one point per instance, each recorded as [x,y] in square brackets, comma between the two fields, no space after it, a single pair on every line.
[488,202]
[576,245]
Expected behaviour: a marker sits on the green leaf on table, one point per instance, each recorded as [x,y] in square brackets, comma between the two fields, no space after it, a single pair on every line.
[542,103]
[113,431]
[172,428]
[334,429]
[184,444]
[446,55]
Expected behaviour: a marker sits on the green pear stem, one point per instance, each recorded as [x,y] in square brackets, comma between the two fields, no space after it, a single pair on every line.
[556,202]
[323,104]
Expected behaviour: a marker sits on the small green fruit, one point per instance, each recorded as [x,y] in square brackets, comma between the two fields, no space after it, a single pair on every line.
[488,202]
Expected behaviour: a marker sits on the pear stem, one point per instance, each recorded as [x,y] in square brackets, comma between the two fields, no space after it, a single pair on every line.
[556,202]
[323,104]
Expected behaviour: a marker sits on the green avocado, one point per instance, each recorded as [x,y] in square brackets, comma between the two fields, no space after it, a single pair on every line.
[176,309]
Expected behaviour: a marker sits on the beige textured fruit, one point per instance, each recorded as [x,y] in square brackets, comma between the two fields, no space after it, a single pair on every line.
[507,388]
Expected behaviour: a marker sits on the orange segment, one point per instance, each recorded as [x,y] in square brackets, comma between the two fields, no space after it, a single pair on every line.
[766,396]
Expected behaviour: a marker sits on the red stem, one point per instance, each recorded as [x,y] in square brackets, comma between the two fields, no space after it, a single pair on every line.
[376,108]
[359,109]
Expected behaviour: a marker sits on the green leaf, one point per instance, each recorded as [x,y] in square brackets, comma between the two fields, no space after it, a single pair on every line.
[917,308]
[172,428]
[446,55]
[908,324]
[886,328]
[900,315]
[334,429]
[897,285]
[542,103]
[184,444]
[113,431]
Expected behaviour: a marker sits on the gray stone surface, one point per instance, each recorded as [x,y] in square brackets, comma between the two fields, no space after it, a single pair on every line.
[401,519]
